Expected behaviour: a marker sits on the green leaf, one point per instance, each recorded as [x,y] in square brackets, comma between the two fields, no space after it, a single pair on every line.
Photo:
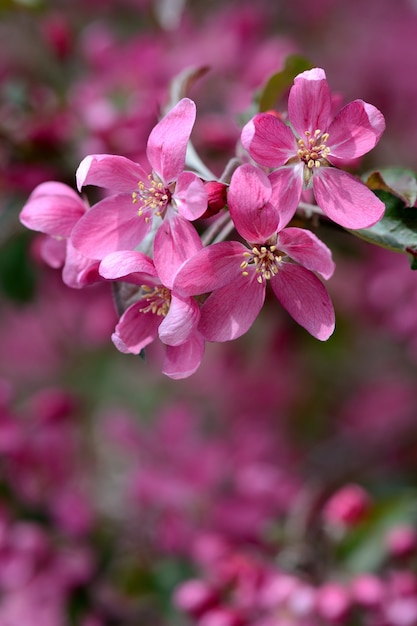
[364,549]
[397,230]
[17,276]
[281,81]
[402,183]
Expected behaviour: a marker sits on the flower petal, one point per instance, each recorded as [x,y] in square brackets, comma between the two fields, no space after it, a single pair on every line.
[229,312]
[309,102]
[255,218]
[176,240]
[211,268]
[304,247]
[305,298]
[269,141]
[181,321]
[355,130]
[182,361]
[190,196]
[130,265]
[78,270]
[110,172]
[111,224]
[135,329]
[53,209]
[287,186]
[167,143]
[345,199]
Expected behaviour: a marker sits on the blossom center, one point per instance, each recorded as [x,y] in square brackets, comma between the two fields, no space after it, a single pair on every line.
[313,150]
[156,300]
[152,195]
[266,261]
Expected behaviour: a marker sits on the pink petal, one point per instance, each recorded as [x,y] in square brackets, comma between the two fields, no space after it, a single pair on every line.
[190,196]
[181,321]
[167,143]
[305,298]
[176,241]
[287,186]
[53,251]
[55,215]
[129,264]
[255,218]
[304,247]
[345,199]
[211,268]
[268,140]
[135,329]
[78,271]
[355,130]
[111,224]
[229,312]
[54,188]
[309,102]
[110,172]
[182,361]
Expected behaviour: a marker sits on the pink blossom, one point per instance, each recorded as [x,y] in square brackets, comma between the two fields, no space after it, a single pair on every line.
[122,220]
[237,274]
[157,308]
[54,208]
[309,150]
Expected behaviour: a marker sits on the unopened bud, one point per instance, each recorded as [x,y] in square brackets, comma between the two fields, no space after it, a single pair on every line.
[347,507]
[216,197]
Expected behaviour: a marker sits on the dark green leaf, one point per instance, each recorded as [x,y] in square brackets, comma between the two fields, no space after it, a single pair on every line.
[402,183]
[281,81]
[397,230]
[17,278]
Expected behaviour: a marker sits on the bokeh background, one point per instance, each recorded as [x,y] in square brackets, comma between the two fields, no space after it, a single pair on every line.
[275,487]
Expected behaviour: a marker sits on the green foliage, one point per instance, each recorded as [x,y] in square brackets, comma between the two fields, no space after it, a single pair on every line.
[397,230]
[17,277]
[279,83]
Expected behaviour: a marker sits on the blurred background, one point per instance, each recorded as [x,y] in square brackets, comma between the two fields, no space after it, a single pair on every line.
[275,487]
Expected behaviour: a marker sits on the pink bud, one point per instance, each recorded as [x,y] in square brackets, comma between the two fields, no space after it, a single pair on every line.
[195,597]
[216,197]
[333,602]
[221,617]
[367,590]
[401,541]
[348,506]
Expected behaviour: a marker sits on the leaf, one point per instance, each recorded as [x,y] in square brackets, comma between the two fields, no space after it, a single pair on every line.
[281,81]
[17,276]
[182,83]
[397,230]
[402,183]
[364,548]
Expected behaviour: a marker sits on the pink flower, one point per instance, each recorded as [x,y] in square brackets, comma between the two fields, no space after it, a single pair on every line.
[54,208]
[306,152]
[122,220]
[157,308]
[237,274]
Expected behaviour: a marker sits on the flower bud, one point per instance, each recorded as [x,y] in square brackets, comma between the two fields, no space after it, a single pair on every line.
[216,197]
[347,507]
[401,541]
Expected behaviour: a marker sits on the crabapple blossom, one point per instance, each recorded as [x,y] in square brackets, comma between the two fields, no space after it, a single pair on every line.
[122,220]
[237,273]
[54,208]
[157,308]
[308,151]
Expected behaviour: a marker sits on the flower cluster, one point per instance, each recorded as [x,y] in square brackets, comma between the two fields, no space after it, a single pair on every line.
[167,232]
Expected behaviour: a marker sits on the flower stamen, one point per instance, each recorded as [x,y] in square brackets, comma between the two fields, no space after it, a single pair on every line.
[158,299]
[266,261]
[152,196]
